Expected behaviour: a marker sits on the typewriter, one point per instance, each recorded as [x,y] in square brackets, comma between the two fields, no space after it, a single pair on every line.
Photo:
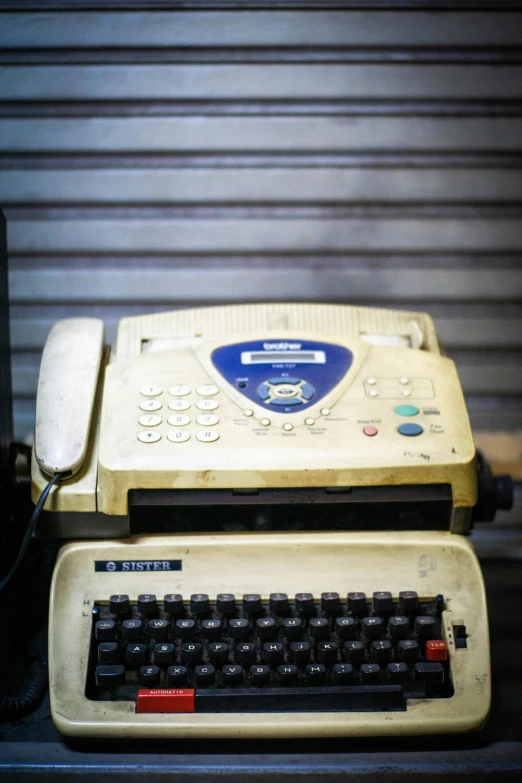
[267,508]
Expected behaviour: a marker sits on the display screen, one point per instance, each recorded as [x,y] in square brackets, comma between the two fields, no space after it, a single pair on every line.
[283,357]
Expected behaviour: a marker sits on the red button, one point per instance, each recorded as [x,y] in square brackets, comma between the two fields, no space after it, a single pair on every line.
[165,700]
[436,651]
[371,431]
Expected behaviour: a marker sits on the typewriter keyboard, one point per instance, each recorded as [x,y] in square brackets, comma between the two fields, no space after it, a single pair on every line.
[302,653]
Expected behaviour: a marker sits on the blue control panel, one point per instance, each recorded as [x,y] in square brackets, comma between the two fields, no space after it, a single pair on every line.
[284,376]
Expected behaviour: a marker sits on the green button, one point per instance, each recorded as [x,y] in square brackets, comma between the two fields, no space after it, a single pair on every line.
[406,410]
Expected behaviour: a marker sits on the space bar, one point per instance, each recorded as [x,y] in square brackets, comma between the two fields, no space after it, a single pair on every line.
[346,698]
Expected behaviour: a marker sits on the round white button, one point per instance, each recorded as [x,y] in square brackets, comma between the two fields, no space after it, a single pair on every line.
[309,422]
[371,381]
[208,390]
[373,393]
[207,405]
[151,391]
[248,412]
[149,437]
[178,436]
[179,405]
[179,391]
[179,420]
[406,392]
[150,405]
[404,380]
[207,436]
[150,420]
[265,422]
[288,427]
[207,420]
[326,411]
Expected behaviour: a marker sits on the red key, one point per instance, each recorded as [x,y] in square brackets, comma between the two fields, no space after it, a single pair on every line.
[436,650]
[165,700]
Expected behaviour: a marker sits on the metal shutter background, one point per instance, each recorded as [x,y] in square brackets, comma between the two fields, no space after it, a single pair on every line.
[172,155]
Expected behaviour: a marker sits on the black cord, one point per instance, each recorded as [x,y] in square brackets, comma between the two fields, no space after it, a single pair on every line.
[31,527]
[17,707]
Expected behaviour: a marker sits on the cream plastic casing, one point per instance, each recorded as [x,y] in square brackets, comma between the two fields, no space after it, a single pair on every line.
[430,563]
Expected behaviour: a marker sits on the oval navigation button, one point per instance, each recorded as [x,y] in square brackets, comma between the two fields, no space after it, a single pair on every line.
[410,429]
[406,410]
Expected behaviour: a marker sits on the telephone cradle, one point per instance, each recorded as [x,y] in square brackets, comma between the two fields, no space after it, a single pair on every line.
[267,509]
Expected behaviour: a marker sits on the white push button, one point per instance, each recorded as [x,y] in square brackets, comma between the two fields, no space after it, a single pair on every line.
[373,393]
[288,426]
[248,412]
[208,390]
[371,381]
[265,422]
[207,420]
[150,405]
[207,436]
[179,405]
[178,436]
[404,380]
[150,420]
[179,390]
[309,422]
[326,411]
[207,405]
[149,436]
[151,391]
[179,420]
[406,392]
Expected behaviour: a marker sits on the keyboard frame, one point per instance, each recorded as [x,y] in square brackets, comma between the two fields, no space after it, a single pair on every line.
[428,562]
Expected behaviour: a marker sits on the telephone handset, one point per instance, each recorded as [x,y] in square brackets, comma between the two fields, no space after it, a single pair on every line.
[72,354]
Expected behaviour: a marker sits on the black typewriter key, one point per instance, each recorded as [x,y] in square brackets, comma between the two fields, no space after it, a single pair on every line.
[399,627]
[108,652]
[279,604]
[273,653]
[147,604]
[119,604]
[259,675]
[430,673]
[372,627]
[177,676]
[184,629]
[292,627]
[204,675]
[408,650]
[315,673]
[164,654]
[218,653]
[304,604]
[357,604]
[136,655]
[149,676]
[245,653]
[158,629]
[345,627]
[110,676]
[408,601]
[381,651]
[300,652]
[382,602]
[354,652]
[232,674]
[331,603]
[252,603]
[226,604]
[439,604]
[211,629]
[425,627]
[173,604]
[191,653]
[327,652]
[287,674]
[199,604]
[370,673]
[397,673]
[266,628]
[319,628]
[238,629]
[131,630]
[342,673]
[105,631]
